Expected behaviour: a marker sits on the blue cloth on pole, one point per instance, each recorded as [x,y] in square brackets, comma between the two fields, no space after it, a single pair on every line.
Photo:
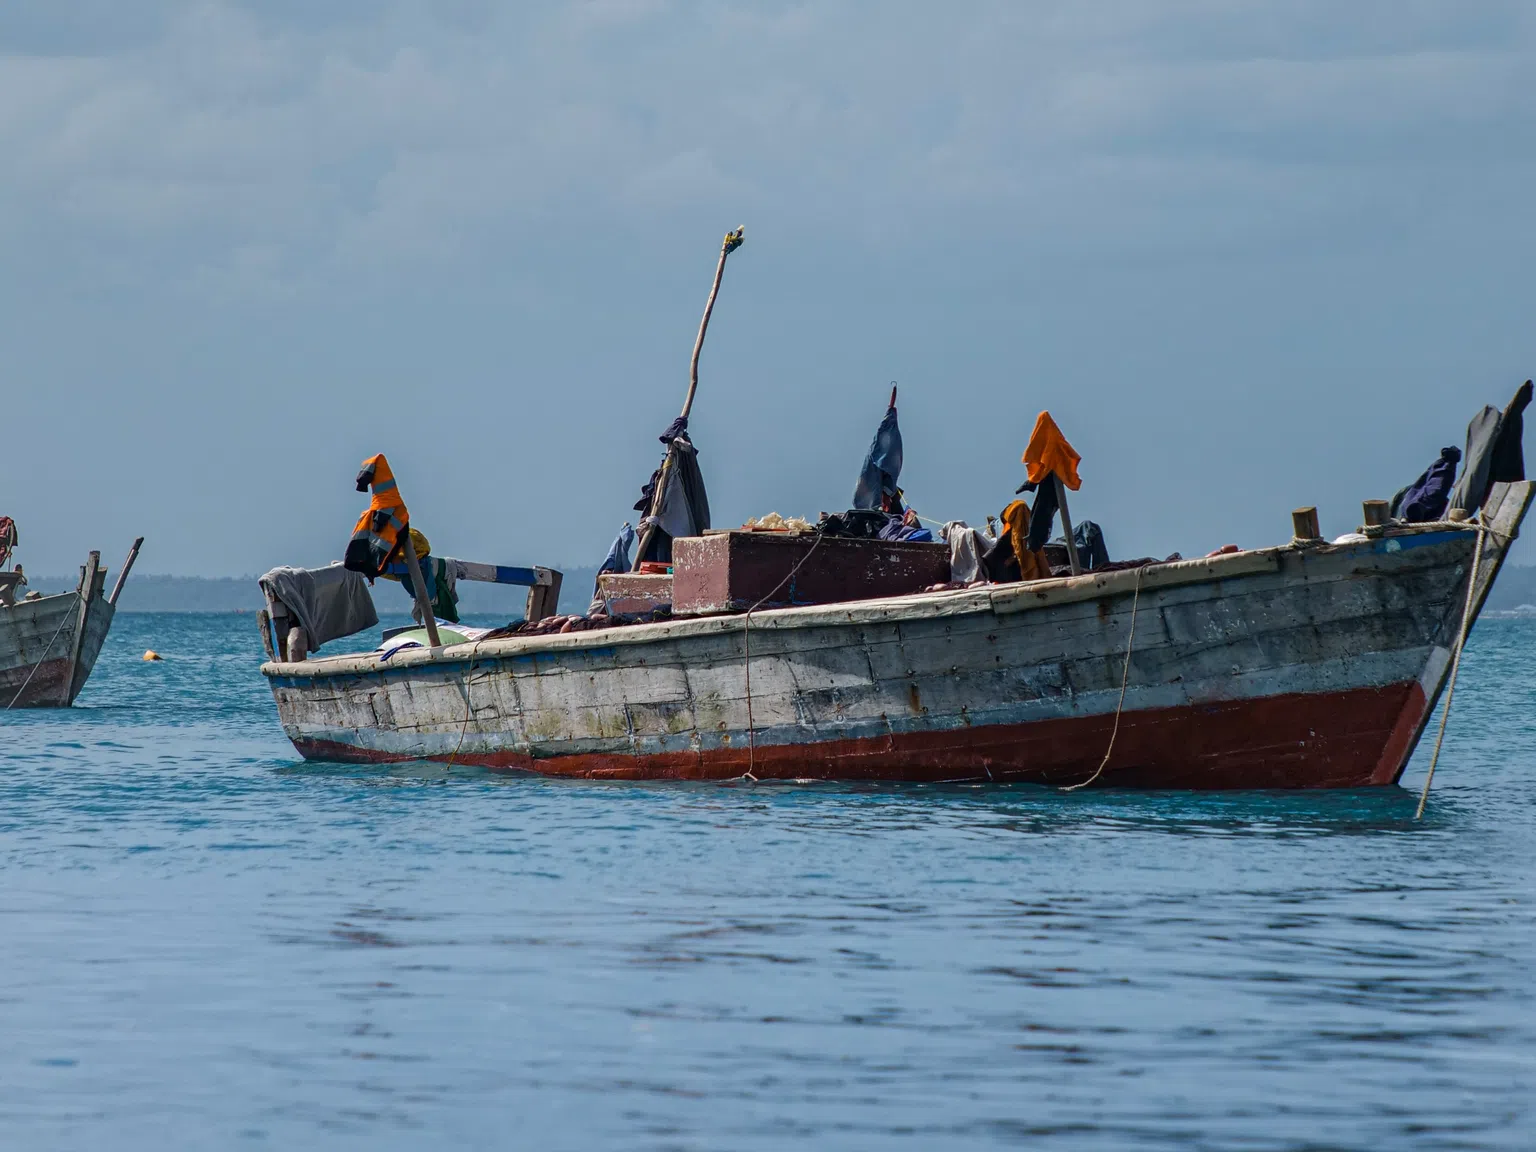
[882,466]
[617,559]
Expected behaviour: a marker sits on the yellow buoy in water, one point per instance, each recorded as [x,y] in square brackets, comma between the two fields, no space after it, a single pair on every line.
[151,654]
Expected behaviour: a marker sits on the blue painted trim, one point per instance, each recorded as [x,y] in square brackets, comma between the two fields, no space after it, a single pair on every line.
[526,577]
[1418,540]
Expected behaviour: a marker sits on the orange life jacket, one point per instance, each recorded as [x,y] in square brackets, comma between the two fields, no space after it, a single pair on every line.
[379,530]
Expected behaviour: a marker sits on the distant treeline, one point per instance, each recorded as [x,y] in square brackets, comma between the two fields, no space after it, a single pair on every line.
[240,594]
[1516,586]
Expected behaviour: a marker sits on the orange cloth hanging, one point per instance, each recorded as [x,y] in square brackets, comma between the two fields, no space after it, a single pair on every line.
[378,530]
[1032,565]
[1048,451]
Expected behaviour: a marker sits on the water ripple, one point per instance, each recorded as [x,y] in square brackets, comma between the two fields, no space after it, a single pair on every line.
[205,942]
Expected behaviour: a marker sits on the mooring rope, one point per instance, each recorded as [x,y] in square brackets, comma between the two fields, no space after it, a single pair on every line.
[1461,642]
[746,649]
[1125,678]
[44,656]
[469,669]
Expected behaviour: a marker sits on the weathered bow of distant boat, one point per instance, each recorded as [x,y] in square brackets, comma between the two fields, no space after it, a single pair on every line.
[1309,665]
[49,645]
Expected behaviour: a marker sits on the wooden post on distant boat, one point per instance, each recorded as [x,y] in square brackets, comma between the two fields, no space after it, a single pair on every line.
[87,590]
[1066,525]
[122,577]
[277,617]
[419,586]
[264,622]
[731,242]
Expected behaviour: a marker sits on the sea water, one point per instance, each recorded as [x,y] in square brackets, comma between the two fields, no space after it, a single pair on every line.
[207,943]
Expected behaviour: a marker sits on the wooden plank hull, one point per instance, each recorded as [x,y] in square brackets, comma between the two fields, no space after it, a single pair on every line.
[1282,668]
[45,658]
[1325,740]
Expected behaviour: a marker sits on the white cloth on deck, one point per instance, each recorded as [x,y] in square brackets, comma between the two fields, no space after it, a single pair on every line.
[416,637]
[967,546]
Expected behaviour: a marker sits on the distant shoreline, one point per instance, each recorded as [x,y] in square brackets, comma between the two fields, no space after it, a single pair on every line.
[151,593]
[1514,595]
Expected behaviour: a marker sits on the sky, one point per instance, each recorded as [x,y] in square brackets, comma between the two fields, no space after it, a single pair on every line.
[1250,256]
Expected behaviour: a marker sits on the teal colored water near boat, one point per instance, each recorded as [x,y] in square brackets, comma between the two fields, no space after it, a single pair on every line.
[206,943]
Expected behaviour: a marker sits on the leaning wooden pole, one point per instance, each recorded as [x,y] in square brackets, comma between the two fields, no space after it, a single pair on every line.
[731,242]
[419,587]
[122,577]
[1066,526]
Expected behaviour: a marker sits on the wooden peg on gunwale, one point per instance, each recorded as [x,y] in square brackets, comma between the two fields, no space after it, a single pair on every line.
[1304,524]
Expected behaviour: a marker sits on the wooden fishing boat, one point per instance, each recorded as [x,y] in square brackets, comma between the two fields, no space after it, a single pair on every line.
[1305,665]
[49,644]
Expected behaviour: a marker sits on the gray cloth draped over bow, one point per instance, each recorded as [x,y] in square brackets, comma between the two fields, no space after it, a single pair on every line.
[1494,452]
[329,602]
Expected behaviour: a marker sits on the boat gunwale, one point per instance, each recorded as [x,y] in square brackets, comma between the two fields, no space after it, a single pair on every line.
[1000,600]
[46,599]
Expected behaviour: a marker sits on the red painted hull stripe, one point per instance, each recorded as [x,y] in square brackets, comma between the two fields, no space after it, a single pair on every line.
[1316,740]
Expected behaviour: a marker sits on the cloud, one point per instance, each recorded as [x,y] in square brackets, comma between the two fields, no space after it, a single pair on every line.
[280,229]
[406,132]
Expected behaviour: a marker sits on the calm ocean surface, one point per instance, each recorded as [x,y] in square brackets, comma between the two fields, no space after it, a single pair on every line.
[206,943]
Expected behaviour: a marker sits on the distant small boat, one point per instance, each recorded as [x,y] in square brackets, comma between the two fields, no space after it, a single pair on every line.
[49,644]
[1301,666]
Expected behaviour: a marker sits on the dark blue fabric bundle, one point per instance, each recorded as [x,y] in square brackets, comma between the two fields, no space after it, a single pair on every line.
[1092,552]
[897,528]
[1425,499]
[882,466]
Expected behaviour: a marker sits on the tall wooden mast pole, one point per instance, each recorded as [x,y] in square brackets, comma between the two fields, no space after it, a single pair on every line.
[731,242]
